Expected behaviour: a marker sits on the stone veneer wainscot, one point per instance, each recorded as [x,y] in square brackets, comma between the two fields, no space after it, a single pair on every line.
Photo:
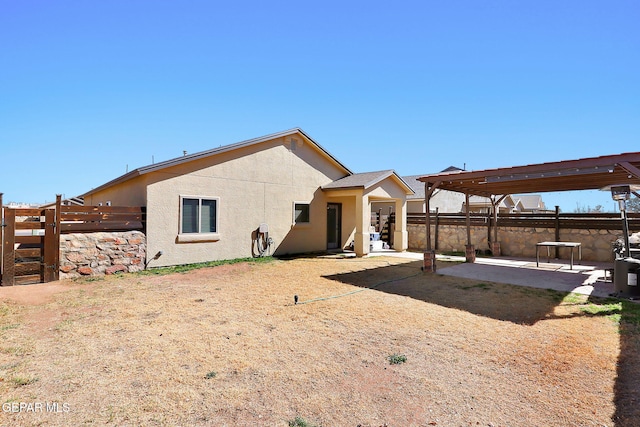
[102,253]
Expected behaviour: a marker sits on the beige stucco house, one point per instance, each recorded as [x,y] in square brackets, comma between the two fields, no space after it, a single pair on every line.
[442,200]
[512,203]
[279,194]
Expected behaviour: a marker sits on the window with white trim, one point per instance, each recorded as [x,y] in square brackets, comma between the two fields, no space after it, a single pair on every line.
[301,213]
[198,215]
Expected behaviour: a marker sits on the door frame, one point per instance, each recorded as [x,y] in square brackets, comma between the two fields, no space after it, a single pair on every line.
[338,223]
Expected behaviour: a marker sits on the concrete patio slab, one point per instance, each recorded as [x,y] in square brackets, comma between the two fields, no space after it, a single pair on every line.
[587,278]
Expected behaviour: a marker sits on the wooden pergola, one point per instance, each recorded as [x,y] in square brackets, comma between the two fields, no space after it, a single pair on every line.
[582,174]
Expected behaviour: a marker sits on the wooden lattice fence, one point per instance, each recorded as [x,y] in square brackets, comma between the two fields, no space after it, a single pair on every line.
[31,236]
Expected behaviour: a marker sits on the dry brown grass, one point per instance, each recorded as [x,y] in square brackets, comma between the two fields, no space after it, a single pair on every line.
[226,346]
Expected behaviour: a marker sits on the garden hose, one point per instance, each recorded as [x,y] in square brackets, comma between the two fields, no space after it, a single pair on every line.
[354,292]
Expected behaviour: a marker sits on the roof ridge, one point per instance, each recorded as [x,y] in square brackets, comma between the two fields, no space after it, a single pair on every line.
[213,151]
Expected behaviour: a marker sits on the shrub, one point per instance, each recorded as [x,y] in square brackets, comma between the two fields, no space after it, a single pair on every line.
[397,359]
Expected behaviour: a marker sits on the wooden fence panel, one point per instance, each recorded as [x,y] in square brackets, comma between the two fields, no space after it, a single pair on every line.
[8,246]
[600,221]
[28,272]
[86,219]
[1,237]
[28,249]
[102,216]
[88,227]
[28,253]
[50,248]
[106,209]
[33,255]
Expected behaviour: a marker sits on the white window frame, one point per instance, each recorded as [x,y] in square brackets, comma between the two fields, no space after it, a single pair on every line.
[198,236]
[293,215]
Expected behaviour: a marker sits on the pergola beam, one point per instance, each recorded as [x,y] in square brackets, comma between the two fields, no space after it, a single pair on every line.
[582,174]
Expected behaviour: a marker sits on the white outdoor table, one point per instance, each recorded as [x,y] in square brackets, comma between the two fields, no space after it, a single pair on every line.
[549,245]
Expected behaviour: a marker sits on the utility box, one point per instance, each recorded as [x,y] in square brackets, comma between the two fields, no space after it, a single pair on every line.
[625,277]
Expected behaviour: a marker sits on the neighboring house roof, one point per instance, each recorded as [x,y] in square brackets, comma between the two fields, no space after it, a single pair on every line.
[208,153]
[366,180]
[486,201]
[418,186]
[73,201]
[481,201]
[518,202]
[451,169]
[530,201]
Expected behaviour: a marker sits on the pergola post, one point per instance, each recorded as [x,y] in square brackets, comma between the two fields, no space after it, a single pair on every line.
[494,245]
[429,257]
[470,250]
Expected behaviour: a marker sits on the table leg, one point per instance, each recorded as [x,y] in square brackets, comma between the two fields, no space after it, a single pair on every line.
[571,265]
[580,254]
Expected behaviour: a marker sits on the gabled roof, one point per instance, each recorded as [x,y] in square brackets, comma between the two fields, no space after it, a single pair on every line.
[418,187]
[367,180]
[520,202]
[215,151]
[452,169]
[508,202]
[530,201]
[73,201]
[486,201]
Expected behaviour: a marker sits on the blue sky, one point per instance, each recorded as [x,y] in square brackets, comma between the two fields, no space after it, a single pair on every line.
[91,89]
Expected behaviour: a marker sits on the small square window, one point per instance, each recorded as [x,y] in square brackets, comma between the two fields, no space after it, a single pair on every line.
[199,215]
[301,213]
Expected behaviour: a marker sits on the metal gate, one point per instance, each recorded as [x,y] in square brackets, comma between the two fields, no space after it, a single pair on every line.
[30,245]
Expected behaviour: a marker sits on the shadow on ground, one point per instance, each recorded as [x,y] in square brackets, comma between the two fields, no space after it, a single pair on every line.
[627,387]
[518,304]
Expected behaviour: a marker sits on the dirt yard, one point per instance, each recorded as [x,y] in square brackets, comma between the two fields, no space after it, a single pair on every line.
[227,346]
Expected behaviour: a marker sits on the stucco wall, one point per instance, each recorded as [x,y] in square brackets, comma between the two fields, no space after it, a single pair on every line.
[518,241]
[254,185]
[444,201]
[91,254]
[131,193]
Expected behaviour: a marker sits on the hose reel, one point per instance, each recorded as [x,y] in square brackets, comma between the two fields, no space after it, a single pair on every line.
[261,242]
